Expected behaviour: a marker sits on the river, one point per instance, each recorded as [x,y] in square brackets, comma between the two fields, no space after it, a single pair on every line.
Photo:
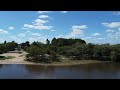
[84,71]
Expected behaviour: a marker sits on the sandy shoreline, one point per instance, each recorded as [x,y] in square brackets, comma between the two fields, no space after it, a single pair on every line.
[19,59]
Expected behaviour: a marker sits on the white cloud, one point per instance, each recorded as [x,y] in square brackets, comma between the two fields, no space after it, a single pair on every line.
[63,11]
[88,37]
[113,36]
[28,32]
[96,34]
[40,39]
[117,33]
[118,29]
[109,31]
[116,13]
[78,30]
[53,30]
[16,39]
[19,41]
[24,28]
[74,34]
[11,27]
[3,31]
[21,35]
[1,40]
[32,39]
[42,12]
[70,36]
[36,34]
[13,37]
[79,27]
[43,16]
[112,24]
[41,27]
[60,36]
[38,24]
[101,38]
[95,40]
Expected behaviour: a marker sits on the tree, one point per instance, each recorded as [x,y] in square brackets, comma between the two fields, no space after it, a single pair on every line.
[113,56]
[67,42]
[27,43]
[5,42]
[34,44]
[36,54]
[13,41]
[1,49]
[19,49]
[47,42]
[54,57]
[74,49]
[53,42]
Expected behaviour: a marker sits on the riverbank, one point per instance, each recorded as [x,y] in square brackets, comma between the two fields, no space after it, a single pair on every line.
[68,62]
[19,58]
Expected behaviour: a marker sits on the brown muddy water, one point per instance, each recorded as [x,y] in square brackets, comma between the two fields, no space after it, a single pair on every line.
[85,71]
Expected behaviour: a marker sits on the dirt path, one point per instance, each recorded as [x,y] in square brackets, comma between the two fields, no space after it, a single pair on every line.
[19,58]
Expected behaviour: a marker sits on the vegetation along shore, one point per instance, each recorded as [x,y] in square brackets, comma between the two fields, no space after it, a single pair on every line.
[58,51]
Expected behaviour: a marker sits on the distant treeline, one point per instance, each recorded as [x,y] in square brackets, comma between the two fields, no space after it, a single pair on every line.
[8,46]
[66,42]
[59,48]
[72,49]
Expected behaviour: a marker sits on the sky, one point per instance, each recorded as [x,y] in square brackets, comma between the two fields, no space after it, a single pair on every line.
[98,27]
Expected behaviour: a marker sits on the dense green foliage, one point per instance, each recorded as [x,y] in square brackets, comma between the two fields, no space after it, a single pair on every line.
[72,49]
[25,45]
[10,46]
[50,52]
[66,42]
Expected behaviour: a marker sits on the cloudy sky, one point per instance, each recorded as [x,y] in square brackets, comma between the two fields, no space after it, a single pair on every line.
[93,26]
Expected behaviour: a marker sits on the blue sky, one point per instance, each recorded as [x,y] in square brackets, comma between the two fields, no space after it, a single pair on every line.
[97,27]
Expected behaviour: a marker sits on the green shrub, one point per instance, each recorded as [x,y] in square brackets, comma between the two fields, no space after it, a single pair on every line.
[113,56]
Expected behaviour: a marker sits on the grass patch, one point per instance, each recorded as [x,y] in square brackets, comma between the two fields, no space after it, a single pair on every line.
[7,57]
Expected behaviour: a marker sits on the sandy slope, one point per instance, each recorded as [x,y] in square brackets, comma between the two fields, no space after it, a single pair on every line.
[19,58]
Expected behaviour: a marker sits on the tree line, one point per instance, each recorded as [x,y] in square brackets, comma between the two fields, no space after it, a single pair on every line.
[59,48]
[72,49]
[8,46]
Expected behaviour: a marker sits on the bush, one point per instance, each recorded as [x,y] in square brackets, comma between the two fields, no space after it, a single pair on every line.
[113,56]
[54,58]
[1,52]
[36,54]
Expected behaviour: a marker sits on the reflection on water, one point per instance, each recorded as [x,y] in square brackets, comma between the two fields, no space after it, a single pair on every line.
[88,71]
[1,65]
[39,69]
